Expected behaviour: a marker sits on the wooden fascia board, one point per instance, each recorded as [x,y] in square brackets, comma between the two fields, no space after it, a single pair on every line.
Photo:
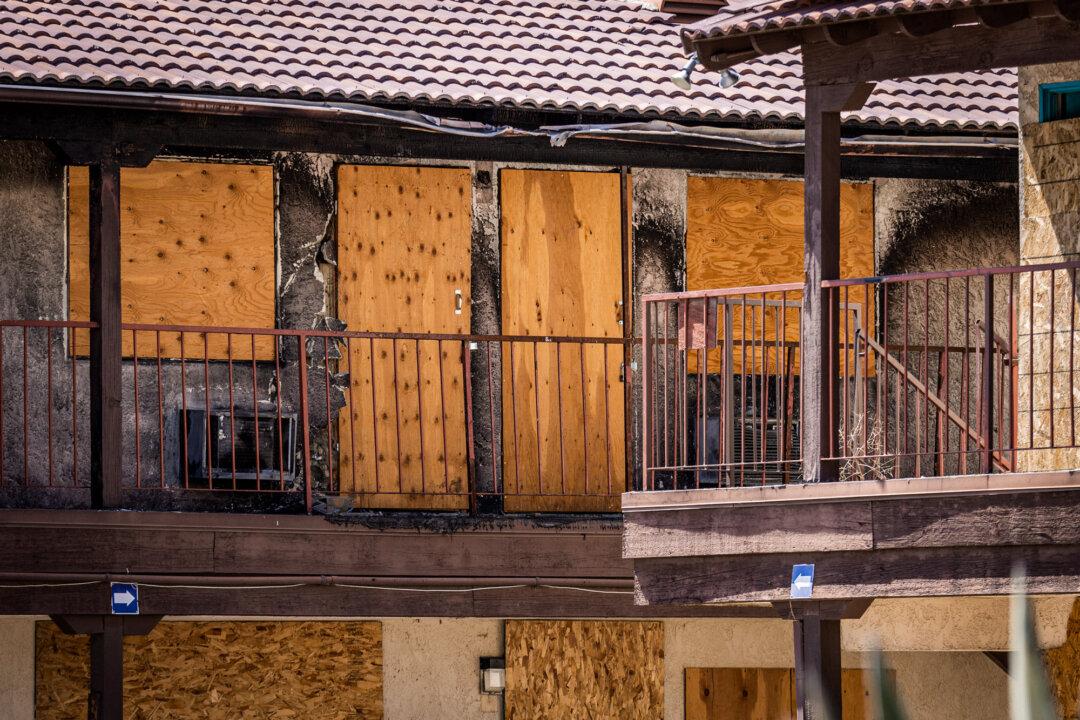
[957,49]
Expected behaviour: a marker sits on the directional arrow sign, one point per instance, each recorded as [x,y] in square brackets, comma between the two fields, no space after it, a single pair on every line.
[802,581]
[124,598]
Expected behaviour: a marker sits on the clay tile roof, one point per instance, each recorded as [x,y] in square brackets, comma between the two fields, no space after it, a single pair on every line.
[589,56]
[750,17]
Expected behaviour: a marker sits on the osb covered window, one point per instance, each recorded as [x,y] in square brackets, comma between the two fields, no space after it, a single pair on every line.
[197,248]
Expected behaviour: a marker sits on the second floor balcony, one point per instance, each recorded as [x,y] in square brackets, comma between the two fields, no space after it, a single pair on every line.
[938,374]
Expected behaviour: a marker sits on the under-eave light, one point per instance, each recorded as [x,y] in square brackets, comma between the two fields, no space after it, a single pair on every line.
[728,77]
[683,78]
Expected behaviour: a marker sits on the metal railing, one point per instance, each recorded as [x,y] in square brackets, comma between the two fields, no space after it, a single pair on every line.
[348,419]
[932,374]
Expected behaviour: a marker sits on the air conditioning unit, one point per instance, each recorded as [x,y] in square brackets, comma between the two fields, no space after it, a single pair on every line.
[232,444]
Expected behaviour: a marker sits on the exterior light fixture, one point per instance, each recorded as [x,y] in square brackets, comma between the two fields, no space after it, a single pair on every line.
[683,77]
[492,675]
[728,77]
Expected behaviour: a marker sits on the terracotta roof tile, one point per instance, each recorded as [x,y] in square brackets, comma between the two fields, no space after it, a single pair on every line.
[609,56]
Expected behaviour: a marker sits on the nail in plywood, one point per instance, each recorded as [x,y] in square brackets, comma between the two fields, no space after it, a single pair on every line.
[562,275]
[743,232]
[764,694]
[223,670]
[584,669]
[404,240]
[197,248]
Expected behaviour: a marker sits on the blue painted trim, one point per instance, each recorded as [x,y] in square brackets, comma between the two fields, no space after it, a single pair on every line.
[1051,96]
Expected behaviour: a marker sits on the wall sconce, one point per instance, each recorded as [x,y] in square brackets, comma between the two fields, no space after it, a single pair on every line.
[492,675]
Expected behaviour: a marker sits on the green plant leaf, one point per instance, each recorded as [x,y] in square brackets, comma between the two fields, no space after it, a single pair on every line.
[1029,692]
[887,703]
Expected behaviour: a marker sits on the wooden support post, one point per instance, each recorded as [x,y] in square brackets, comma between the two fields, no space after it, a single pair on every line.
[817,668]
[106,346]
[821,261]
[106,700]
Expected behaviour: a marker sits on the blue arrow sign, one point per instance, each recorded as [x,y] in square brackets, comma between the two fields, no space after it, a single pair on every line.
[802,581]
[124,598]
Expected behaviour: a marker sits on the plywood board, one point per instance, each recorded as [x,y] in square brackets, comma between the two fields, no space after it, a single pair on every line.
[582,669]
[404,239]
[747,232]
[223,670]
[764,694]
[197,248]
[563,407]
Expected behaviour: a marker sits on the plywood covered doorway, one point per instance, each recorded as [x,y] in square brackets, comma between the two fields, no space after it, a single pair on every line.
[563,406]
[404,237]
[765,694]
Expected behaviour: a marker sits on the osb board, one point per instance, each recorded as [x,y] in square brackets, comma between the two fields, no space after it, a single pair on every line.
[1063,667]
[745,232]
[562,406]
[404,240]
[764,694]
[197,248]
[224,670]
[581,669]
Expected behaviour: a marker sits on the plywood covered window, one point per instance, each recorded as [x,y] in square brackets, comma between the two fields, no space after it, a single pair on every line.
[404,239]
[197,248]
[562,275]
[584,670]
[743,232]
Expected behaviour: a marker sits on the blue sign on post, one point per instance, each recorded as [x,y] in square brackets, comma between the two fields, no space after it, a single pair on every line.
[802,581]
[124,598]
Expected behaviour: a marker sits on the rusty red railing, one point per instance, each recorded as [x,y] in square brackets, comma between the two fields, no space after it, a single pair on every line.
[940,373]
[350,419]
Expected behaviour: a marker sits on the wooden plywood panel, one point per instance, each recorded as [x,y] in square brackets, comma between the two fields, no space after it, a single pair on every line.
[764,694]
[595,670]
[404,238]
[744,232]
[223,670]
[197,248]
[563,408]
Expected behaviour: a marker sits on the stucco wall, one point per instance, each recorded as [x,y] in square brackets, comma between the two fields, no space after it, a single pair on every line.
[1049,232]
[17,668]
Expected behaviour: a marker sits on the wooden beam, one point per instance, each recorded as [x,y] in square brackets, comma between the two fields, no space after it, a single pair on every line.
[957,49]
[844,34]
[106,343]
[894,573]
[90,624]
[922,24]
[999,16]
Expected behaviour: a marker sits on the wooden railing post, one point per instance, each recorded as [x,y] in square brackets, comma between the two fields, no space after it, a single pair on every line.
[106,344]
[305,424]
[989,352]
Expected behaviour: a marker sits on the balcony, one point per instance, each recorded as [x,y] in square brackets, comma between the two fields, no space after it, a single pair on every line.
[940,407]
[303,421]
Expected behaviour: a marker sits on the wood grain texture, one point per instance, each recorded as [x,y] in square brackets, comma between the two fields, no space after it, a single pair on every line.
[579,669]
[197,248]
[942,571]
[224,670]
[561,260]
[743,232]
[765,693]
[404,246]
[819,527]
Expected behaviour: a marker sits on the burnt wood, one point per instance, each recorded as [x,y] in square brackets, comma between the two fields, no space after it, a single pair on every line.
[236,137]
[956,49]
[330,601]
[106,345]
